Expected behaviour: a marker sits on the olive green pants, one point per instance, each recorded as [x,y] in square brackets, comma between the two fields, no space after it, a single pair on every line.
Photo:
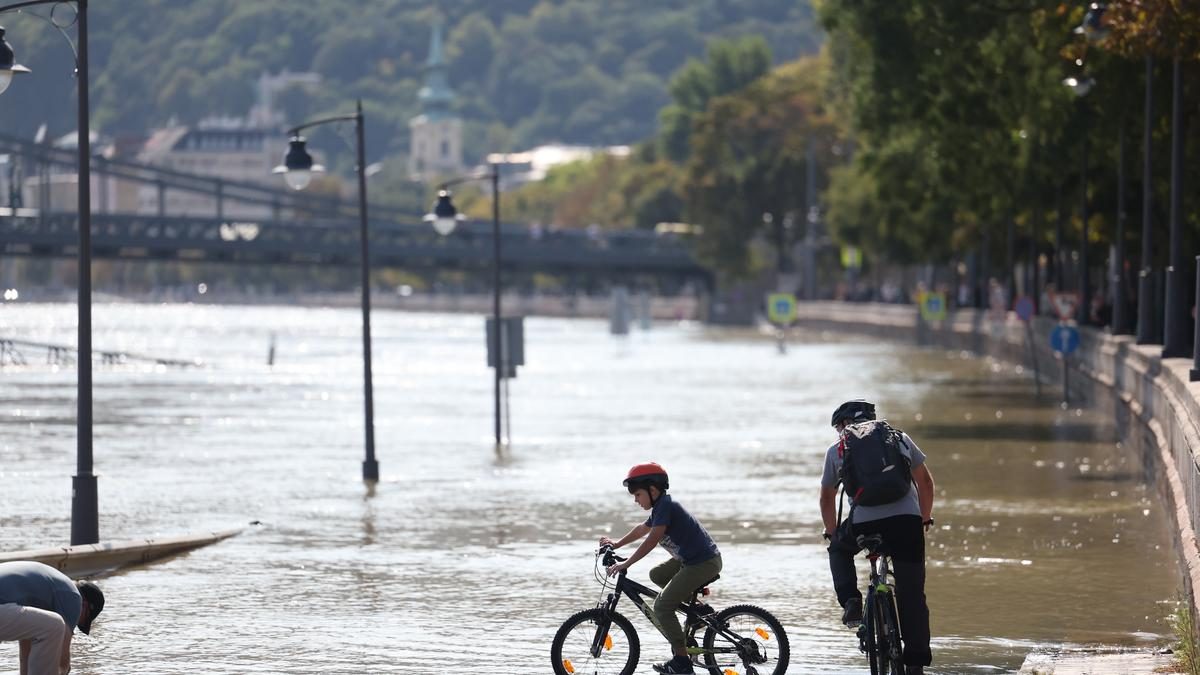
[678,583]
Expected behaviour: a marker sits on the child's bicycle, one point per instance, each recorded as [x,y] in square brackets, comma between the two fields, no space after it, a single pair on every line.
[738,640]
[879,633]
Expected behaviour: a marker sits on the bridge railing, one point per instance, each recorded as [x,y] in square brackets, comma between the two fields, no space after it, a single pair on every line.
[328,241]
[222,190]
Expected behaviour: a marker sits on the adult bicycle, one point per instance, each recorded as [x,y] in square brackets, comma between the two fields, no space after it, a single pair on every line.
[738,640]
[879,633]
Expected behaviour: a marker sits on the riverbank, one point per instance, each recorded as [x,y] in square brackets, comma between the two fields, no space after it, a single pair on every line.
[1155,406]
[683,307]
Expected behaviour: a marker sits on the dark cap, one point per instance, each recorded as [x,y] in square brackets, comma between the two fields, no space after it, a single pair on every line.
[95,599]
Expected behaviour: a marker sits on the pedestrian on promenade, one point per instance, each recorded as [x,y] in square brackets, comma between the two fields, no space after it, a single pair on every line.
[896,504]
[40,607]
[694,557]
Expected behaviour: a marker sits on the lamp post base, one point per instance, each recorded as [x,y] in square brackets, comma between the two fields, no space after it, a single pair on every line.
[85,525]
[371,470]
[1149,324]
[1176,336]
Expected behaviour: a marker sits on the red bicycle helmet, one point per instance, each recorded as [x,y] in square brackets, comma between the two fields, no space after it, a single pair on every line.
[646,474]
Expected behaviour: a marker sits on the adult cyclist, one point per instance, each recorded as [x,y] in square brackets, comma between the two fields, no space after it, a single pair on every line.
[902,524]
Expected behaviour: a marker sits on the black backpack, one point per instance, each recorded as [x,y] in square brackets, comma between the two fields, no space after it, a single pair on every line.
[874,470]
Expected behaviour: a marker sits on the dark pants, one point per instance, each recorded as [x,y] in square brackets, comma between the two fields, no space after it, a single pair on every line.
[904,540]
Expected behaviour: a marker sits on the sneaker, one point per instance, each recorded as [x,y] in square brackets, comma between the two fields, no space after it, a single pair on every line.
[679,664]
[914,670]
[852,613]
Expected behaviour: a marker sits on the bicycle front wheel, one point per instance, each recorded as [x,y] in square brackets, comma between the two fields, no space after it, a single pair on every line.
[891,654]
[595,642]
[751,641]
[870,632]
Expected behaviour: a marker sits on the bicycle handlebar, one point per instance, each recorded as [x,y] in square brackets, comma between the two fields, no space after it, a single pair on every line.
[610,556]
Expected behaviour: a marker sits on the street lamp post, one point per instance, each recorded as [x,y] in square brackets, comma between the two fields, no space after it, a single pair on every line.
[1176,325]
[297,170]
[444,218]
[1120,321]
[85,520]
[1081,86]
[1147,326]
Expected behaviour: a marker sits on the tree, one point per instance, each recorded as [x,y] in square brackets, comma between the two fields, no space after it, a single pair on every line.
[731,65]
[748,157]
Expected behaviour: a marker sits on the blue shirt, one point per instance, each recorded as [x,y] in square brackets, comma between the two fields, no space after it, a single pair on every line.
[32,584]
[685,539]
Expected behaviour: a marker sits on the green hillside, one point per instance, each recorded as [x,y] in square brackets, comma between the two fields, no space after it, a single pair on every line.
[525,71]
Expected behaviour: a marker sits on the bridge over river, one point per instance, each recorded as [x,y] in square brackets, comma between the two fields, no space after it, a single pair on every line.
[295,228]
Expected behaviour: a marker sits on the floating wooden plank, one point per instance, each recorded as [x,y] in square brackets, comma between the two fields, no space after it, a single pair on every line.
[94,559]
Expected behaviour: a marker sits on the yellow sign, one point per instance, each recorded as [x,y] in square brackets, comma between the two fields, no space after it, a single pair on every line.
[851,257]
[933,305]
[781,308]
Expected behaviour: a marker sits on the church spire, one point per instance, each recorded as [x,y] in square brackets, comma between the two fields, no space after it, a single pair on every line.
[436,97]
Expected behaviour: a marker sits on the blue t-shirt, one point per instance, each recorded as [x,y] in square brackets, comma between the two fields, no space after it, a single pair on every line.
[686,540]
[32,584]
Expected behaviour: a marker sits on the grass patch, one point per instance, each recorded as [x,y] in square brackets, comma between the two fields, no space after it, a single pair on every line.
[1187,651]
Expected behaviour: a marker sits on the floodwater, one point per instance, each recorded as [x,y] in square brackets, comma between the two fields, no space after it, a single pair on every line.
[462,561]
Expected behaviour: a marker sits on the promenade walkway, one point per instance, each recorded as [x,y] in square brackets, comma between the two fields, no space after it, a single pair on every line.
[1151,397]
[1075,663]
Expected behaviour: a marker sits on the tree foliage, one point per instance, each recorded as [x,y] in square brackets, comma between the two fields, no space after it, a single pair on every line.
[748,157]
[731,65]
[961,122]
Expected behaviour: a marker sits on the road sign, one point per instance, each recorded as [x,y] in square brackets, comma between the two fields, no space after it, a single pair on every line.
[781,308]
[1064,339]
[851,257]
[1064,305]
[933,306]
[1024,308]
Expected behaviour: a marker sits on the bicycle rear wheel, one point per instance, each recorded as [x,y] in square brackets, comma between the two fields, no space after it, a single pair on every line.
[753,643]
[619,647]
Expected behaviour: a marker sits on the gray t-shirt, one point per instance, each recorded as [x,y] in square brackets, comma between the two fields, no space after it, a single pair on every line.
[905,506]
[32,584]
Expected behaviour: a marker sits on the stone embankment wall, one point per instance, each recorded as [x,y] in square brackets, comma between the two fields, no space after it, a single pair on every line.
[1156,407]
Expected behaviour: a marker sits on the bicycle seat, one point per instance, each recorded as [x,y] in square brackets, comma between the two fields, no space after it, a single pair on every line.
[871,542]
[700,589]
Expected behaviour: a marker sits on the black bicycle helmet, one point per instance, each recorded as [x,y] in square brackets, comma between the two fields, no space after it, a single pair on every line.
[857,410]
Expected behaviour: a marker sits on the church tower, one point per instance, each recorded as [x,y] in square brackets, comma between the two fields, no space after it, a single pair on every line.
[436,134]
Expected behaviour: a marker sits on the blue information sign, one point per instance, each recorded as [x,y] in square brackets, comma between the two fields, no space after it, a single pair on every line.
[1024,308]
[1064,339]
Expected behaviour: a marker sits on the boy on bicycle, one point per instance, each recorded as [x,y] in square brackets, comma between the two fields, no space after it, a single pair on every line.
[694,560]
[901,522]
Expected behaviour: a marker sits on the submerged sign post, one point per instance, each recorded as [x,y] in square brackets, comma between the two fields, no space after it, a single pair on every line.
[1024,309]
[1064,339]
[781,311]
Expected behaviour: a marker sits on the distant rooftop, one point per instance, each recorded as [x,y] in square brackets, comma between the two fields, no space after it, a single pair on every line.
[532,165]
